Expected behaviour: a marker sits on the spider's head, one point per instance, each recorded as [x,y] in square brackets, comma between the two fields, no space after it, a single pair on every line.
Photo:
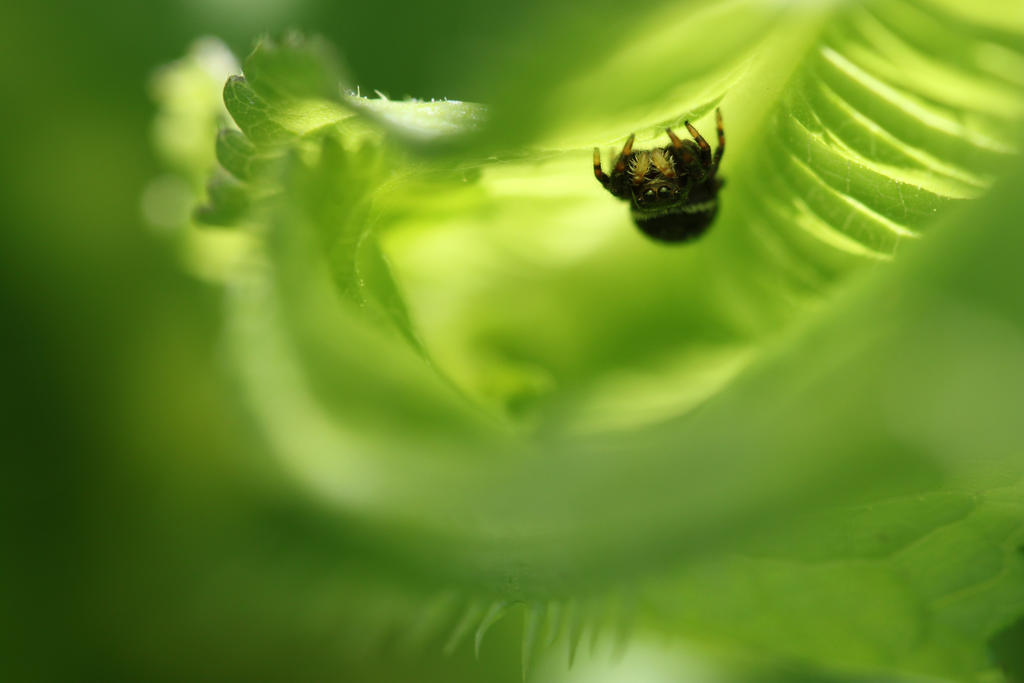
[658,182]
[658,193]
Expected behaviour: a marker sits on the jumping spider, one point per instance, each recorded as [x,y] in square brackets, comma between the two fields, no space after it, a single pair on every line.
[673,191]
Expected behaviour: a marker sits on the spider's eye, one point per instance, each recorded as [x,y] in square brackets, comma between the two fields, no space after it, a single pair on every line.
[664,192]
[648,195]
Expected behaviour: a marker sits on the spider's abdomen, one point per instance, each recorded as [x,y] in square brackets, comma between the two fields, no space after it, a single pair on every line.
[683,225]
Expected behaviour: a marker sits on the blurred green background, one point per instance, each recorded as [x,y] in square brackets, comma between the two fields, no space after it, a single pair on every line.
[154,532]
[130,475]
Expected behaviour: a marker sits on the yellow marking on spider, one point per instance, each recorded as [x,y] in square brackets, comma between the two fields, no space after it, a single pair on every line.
[663,163]
[638,166]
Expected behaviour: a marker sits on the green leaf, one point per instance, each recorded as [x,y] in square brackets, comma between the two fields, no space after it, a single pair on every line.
[253,114]
[191,108]
[419,122]
[228,202]
[795,439]
[289,103]
[235,153]
[295,67]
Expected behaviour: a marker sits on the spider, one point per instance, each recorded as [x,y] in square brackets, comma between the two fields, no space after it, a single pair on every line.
[673,191]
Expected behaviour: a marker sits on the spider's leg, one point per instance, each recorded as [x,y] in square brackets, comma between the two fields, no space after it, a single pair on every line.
[684,152]
[618,184]
[620,165]
[705,148]
[720,150]
[688,158]
[598,173]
